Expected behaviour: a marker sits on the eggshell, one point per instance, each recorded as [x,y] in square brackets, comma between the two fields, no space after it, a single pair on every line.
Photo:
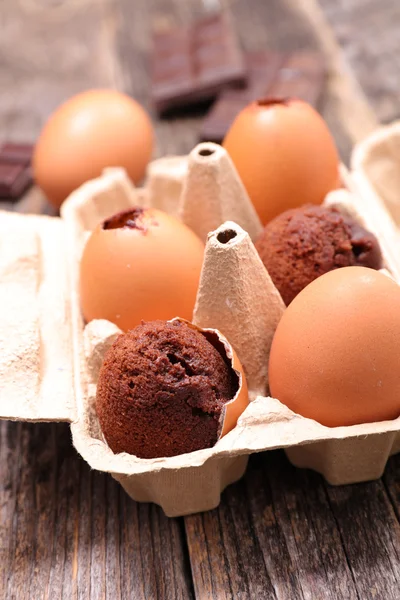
[89,132]
[284,154]
[236,406]
[335,356]
[140,264]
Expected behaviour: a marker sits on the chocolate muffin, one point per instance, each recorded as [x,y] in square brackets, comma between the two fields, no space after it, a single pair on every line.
[301,244]
[161,390]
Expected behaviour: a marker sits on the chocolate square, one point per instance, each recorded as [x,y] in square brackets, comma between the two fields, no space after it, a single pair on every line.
[193,64]
[20,154]
[14,180]
[270,74]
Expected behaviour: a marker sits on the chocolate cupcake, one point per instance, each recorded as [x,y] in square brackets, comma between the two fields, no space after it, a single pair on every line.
[162,390]
[301,244]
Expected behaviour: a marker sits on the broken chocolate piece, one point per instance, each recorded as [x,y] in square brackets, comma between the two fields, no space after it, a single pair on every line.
[20,154]
[14,180]
[195,63]
[270,74]
[15,170]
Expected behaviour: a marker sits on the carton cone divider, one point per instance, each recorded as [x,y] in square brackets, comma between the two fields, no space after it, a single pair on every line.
[165,177]
[214,193]
[236,295]
[99,198]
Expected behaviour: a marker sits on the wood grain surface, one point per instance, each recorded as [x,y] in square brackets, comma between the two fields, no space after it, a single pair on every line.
[280,533]
[368,32]
[285,533]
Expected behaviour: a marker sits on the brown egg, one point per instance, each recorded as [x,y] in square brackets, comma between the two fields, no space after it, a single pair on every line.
[91,131]
[335,356]
[284,154]
[140,264]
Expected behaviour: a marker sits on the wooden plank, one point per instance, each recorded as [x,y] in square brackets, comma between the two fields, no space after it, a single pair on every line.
[370,533]
[67,47]
[64,509]
[273,536]
[286,529]
[347,99]
[49,51]
[391,480]
[34,518]
[368,33]
[68,532]
[154,546]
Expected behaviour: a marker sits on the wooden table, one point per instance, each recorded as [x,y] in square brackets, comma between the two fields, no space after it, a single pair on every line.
[280,533]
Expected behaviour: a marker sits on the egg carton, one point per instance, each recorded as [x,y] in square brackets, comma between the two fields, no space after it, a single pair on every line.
[49,360]
[376,169]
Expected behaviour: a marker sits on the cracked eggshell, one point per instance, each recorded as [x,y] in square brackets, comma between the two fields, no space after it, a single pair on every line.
[293,158]
[235,407]
[141,264]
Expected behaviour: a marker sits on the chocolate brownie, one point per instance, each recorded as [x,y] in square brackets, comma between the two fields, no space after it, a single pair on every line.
[161,390]
[301,244]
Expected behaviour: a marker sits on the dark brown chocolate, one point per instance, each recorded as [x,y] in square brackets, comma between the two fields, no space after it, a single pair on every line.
[270,74]
[20,154]
[195,63]
[15,170]
[14,180]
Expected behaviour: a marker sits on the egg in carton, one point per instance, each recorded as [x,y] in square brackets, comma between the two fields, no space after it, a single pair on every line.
[51,371]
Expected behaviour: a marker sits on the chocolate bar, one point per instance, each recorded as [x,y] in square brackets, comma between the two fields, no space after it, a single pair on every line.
[270,74]
[195,63]
[20,154]
[15,170]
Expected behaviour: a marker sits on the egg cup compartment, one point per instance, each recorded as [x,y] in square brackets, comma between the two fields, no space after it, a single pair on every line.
[376,169]
[236,296]
[348,459]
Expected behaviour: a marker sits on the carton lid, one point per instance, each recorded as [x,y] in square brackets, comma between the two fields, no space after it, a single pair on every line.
[40,357]
[375,178]
[36,362]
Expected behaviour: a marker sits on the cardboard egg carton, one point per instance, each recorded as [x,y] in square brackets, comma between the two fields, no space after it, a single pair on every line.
[49,361]
[376,169]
